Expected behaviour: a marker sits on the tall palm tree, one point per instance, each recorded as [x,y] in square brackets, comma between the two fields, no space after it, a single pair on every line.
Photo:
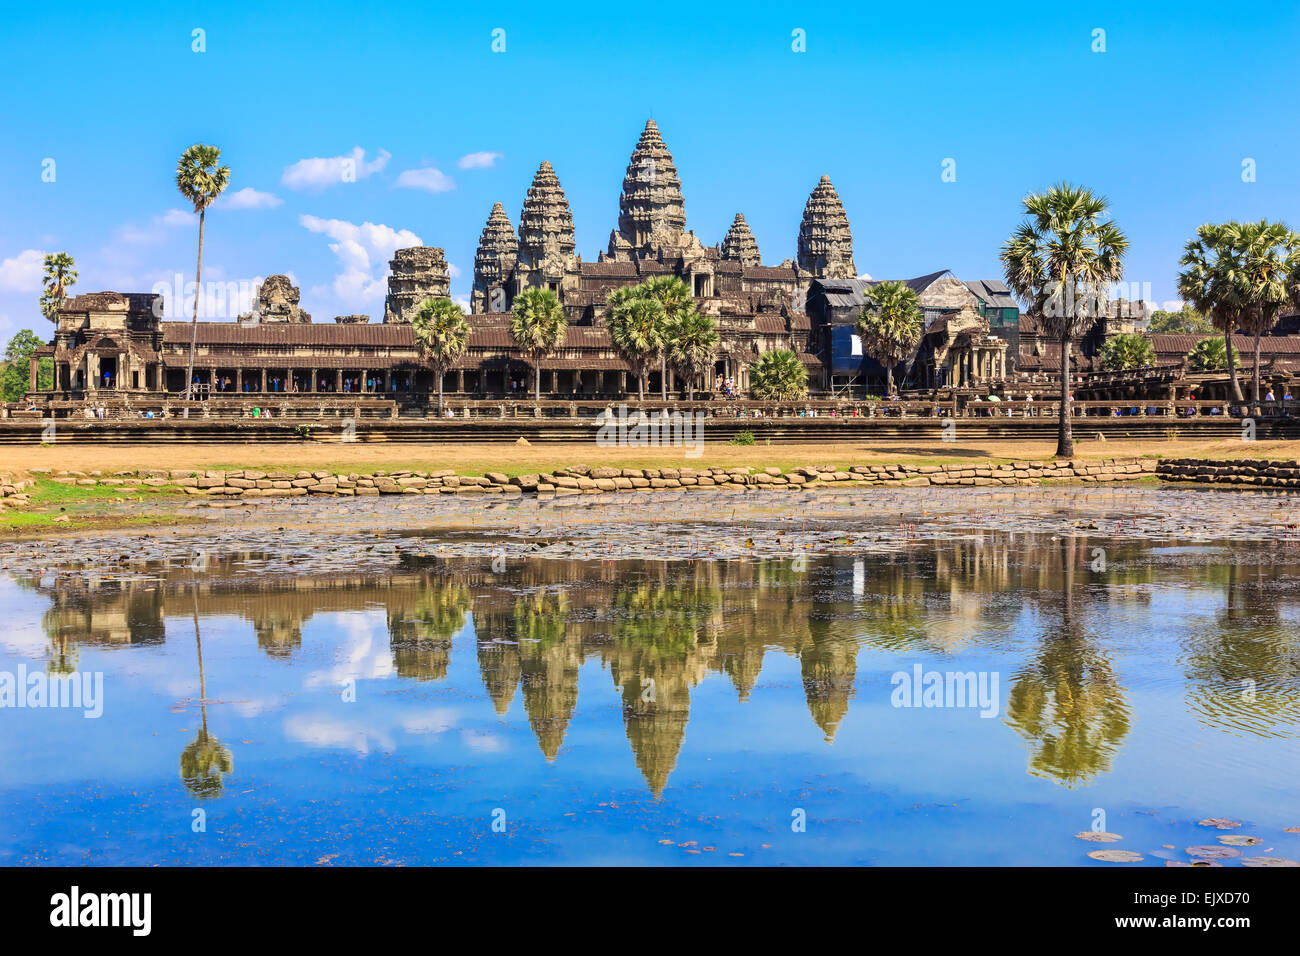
[675,296]
[537,325]
[441,335]
[204,761]
[890,325]
[692,346]
[1270,258]
[778,374]
[1061,262]
[200,180]
[1210,283]
[636,329]
[59,277]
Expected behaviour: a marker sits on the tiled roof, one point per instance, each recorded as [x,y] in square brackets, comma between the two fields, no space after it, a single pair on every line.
[288,334]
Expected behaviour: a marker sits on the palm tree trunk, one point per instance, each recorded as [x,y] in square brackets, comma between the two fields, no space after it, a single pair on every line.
[1257,335]
[537,381]
[438,372]
[889,380]
[663,379]
[194,323]
[1232,367]
[1065,432]
[640,382]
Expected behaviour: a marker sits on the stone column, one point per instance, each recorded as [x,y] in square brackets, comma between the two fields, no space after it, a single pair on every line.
[388,381]
[261,380]
[311,386]
[239,380]
[35,362]
[338,380]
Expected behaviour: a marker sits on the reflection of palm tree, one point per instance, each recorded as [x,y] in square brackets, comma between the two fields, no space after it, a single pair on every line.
[1242,671]
[204,761]
[1067,702]
[421,639]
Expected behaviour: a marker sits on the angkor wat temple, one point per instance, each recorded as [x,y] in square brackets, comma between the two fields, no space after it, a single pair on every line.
[112,343]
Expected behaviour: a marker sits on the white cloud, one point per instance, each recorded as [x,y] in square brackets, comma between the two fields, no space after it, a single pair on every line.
[320,172]
[23,272]
[483,160]
[249,198]
[177,217]
[453,271]
[363,252]
[429,179]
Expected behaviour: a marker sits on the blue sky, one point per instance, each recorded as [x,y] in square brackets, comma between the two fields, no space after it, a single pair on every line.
[1160,123]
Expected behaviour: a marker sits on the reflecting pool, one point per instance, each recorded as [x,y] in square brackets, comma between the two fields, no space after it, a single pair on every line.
[976,700]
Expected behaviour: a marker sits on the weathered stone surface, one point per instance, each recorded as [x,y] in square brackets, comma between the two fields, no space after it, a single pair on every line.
[825,241]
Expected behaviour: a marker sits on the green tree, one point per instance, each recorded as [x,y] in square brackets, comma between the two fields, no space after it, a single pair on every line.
[675,296]
[537,325]
[59,277]
[1119,353]
[1210,355]
[1186,321]
[200,180]
[1211,282]
[1061,262]
[890,325]
[778,375]
[441,335]
[17,367]
[1270,263]
[692,346]
[636,329]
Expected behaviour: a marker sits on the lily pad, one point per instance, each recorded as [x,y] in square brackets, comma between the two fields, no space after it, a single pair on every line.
[1211,852]
[1267,861]
[1236,839]
[1291,829]
[1194,863]
[1115,856]
[1099,836]
[1219,823]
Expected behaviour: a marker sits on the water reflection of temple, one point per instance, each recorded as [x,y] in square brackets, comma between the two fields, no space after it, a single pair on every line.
[659,629]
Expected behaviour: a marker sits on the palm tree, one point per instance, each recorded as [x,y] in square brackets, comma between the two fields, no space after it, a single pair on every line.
[59,277]
[675,296]
[636,328]
[778,374]
[200,181]
[1269,262]
[1119,353]
[441,335]
[537,325]
[1210,355]
[204,761]
[1061,262]
[1210,283]
[692,345]
[890,325]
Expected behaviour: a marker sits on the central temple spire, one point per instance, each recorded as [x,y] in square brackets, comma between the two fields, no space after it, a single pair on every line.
[825,242]
[651,202]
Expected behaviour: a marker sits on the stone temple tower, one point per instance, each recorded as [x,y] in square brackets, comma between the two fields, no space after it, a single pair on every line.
[740,243]
[825,242]
[546,240]
[494,261]
[415,274]
[652,212]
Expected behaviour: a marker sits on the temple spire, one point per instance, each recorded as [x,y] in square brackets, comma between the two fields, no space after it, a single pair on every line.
[494,259]
[825,241]
[546,238]
[651,201]
[740,243]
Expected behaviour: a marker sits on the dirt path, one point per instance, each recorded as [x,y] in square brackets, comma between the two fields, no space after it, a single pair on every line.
[517,459]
